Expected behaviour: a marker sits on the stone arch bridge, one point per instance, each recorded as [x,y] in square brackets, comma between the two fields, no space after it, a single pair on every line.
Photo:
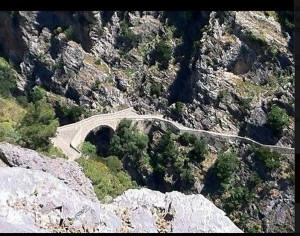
[70,137]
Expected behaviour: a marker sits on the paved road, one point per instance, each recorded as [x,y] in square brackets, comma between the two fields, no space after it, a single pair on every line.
[69,137]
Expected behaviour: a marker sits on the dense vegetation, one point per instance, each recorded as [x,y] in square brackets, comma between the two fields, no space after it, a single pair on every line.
[108,181]
[162,54]
[167,160]
[277,118]
[38,125]
[29,121]
[127,40]
[7,80]
[167,165]
[270,159]
[107,174]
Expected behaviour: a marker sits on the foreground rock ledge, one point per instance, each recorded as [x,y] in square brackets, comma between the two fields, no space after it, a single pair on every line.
[32,200]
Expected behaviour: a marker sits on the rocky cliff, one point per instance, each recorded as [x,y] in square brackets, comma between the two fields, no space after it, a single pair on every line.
[218,71]
[34,198]
[227,68]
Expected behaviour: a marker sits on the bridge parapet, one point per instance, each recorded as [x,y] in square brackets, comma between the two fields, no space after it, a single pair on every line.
[78,131]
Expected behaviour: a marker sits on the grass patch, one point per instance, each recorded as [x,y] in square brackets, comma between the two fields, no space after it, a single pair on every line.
[106,183]
[99,64]
[10,110]
[8,132]
[256,39]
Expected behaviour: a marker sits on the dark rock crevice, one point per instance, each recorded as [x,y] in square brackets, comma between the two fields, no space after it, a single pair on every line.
[182,87]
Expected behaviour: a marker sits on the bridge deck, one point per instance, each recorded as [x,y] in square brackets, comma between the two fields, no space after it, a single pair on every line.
[69,137]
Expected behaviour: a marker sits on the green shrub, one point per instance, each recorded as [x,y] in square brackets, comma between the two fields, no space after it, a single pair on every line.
[22,100]
[104,182]
[97,62]
[38,125]
[255,180]
[58,30]
[88,149]
[187,178]
[163,54]
[277,118]
[199,151]
[166,153]
[128,39]
[274,52]
[113,163]
[72,113]
[37,93]
[239,196]
[156,89]
[261,42]
[179,107]
[58,65]
[8,133]
[226,164]
[69,33]
[185,139]
[222,93]
[271,159]
[245,102]
[128,142]
[7,81]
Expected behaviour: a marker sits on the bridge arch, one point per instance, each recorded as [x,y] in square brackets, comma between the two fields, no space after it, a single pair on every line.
[101,137]
[70,137]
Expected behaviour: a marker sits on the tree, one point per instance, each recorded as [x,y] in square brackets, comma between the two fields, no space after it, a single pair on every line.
[179,107]
[167,153]
[128,39]
[88,149]
[128,142]
[277,118]
[156,89]
[199,151]
[270,159]
[185,139]
[38,125]
[163,54]
[72,114]
[113,163]
[225,165]
[7,82]
[187,178]
[37,93]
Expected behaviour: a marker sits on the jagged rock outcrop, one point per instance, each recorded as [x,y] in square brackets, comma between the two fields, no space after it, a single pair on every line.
[240,56]
[67,172]
[170,212]
[36,201]
[227,67]
[233,77]
[33,198]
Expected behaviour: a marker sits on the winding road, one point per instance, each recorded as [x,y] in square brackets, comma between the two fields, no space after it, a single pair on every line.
[70,137]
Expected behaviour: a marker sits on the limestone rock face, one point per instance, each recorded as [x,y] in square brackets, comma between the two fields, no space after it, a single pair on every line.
[68,172]
[36,201]
[171,212]
[234,56]
[37,195]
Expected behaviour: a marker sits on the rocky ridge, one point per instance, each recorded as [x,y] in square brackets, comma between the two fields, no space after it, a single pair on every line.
[236,67]
[33,200]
